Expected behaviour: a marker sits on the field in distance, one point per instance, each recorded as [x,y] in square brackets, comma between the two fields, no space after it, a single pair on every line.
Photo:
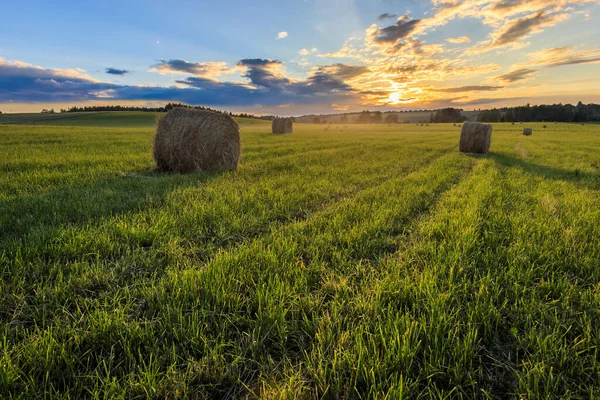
[372,262]
[118,119]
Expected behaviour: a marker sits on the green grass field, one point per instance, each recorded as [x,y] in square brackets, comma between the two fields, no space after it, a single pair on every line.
[377,262]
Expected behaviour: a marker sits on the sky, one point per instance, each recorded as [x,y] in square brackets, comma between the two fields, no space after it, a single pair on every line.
[298,57]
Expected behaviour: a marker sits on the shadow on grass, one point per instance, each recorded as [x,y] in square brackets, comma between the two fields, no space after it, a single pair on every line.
[48,212]
[585,180]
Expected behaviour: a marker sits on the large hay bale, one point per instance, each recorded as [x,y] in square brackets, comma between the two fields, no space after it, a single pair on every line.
[475,137]
[282,125]
[527,131]
[189,140]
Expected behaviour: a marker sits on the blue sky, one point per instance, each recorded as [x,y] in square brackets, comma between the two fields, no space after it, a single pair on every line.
[299,56]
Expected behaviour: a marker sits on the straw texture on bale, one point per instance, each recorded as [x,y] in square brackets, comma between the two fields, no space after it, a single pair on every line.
[527,131]
[282,125]
[189,140]
[475,137]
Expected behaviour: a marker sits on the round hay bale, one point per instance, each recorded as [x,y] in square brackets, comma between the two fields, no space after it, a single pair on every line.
[527,131]
[282,125]
[475,138]
[189,140]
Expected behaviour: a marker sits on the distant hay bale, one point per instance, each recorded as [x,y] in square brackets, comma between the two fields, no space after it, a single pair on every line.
[426,124]
[282,125]
[527,131]
[544,126]
[190,140]
[475,138]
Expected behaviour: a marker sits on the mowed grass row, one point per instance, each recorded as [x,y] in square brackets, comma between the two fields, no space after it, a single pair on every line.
[370,263]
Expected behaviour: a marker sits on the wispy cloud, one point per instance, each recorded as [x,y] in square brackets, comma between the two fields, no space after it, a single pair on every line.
[468,89]
[516,75]
[459,40]
[305,52]
[566,55]
[115,71]
[385,16]
[282,35]
[177,66]
[390,35]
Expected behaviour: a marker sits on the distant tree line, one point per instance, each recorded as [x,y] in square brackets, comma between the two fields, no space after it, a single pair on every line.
[554,112]
[448,115]
[377,117]
[167,107]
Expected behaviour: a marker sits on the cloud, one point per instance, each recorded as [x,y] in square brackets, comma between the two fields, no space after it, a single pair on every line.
[305,52]
[516,75]
[520,28]
[459,40]
[347,51]
[263,72]
[482,101]
[281,35]
[27,83]
[467,89]
[177,66]
[550,58]
[523,27]
[385,16]
[390,35]
[115,71]
[343,71]
[559,56]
